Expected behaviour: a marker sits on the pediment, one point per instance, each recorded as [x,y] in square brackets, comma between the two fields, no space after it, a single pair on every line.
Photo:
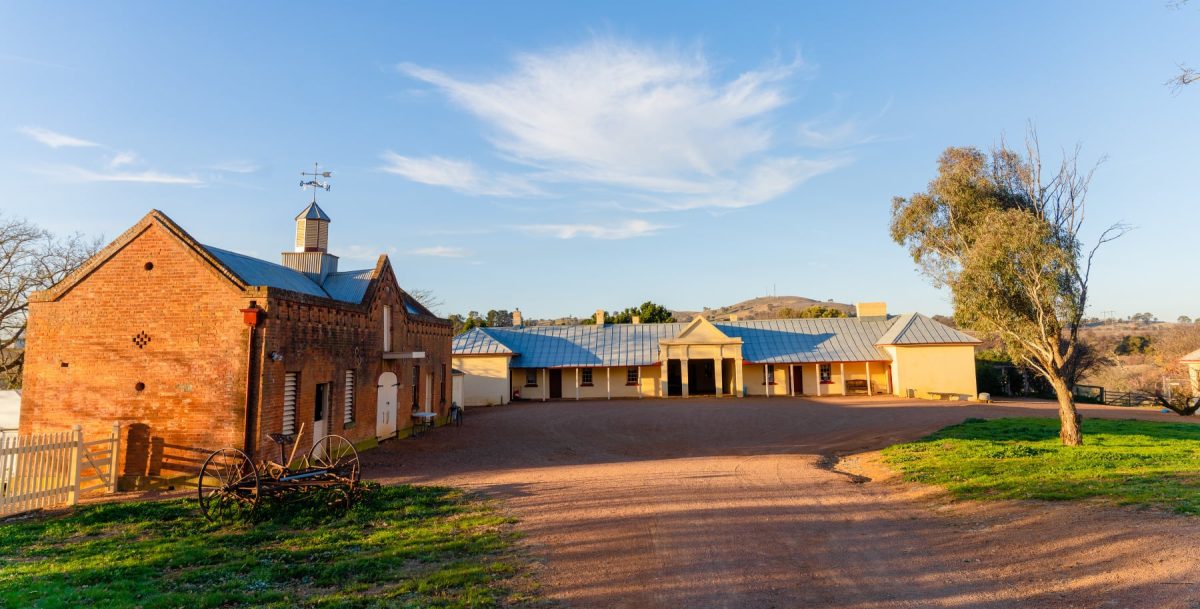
[701,331]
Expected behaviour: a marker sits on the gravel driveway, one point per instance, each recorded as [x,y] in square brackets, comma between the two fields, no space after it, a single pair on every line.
[649,504]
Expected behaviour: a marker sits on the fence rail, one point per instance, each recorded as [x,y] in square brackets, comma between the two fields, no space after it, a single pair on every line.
[50,469]
[1128,398]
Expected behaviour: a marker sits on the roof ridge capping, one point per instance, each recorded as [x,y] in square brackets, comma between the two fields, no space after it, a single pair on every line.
[917,329]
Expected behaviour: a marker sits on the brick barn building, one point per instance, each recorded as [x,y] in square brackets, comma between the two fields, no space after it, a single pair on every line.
[193,348]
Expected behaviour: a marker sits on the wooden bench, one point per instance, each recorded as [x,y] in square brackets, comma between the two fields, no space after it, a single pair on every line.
[856,386]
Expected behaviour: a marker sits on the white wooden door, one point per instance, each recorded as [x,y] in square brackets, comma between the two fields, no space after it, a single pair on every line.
[385,406]
[320,426]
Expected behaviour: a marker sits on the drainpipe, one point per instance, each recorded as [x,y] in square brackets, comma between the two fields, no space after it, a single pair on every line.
[251,316]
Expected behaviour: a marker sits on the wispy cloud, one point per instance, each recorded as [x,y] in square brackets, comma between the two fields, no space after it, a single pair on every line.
[237,166]
[55,139]
[461,176]
[121,159]
[441,251]
[624,230]
[74,173]
[661,124]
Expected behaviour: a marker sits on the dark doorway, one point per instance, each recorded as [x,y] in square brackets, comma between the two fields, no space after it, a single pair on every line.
[797,380]
[555,383]
[702,377]
[416,386]
[674,378]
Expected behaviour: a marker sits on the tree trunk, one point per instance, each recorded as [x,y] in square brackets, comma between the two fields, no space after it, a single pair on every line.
[1070,430]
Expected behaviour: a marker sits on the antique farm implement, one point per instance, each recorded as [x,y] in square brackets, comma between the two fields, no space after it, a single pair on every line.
[231,485]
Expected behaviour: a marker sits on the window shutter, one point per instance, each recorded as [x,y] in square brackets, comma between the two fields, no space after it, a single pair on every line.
[290,382]
[348,414]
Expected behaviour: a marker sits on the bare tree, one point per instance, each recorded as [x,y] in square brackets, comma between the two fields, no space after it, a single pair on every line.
[1186,75]
[31,259]
[427,298]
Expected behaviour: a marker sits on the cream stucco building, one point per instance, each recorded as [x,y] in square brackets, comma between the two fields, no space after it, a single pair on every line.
[1192,361]
[873,353]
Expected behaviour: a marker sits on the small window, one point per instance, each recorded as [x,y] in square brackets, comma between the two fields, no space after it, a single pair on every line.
[321,402]
[770,375]
[290,381]
[826,373]
[631,375]
[586,377]
[387,328]
[531,378]
[348,398]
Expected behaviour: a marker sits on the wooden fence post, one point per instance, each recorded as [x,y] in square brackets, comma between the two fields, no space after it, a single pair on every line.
[76,455]
[112,465]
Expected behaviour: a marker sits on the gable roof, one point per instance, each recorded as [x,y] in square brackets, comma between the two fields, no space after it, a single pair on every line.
[916,329]
[477,342]
[243,271]
[1194,356]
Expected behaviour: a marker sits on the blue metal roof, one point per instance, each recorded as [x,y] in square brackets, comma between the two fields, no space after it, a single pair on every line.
[313,212]
[916,329]
[347,286]
[771,341]
[260,272]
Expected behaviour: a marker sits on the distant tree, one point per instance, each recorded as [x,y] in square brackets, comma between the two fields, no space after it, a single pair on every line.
[472,320]
[648,313]
[1133,345]
[1004,236]
[1184,319]
[31,259]
[1144,318]
[811,312]
[499,319]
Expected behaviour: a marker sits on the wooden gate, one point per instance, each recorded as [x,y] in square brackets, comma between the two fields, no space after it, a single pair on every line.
[52,469]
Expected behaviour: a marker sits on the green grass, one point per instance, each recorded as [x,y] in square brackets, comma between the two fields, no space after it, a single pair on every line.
[398,547]
[1128,462]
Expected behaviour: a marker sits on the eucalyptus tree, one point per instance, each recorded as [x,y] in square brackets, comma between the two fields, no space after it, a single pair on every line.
[1004,234]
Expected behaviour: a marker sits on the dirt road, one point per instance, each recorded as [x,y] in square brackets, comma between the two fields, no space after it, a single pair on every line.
[732,504]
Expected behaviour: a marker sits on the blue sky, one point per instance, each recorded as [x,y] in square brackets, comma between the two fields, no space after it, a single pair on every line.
[563,157]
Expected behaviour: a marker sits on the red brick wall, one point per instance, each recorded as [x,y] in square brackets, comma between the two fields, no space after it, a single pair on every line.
[83,366]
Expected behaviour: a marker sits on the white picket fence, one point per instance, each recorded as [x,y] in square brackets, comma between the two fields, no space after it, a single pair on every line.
[52,469]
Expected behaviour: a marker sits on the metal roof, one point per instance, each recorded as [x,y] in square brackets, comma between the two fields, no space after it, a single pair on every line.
[1194,356]
[313,212]
[916,329]
[347,286]
[477,342]
[770,341]
[798,341]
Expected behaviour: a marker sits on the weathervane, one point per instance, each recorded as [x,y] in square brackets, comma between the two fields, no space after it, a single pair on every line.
[314,183]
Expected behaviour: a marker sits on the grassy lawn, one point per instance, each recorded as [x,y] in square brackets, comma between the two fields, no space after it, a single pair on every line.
[400,547]
[1129,462]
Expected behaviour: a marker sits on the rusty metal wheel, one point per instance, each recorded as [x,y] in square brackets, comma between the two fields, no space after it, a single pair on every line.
[338,456]
[228,487]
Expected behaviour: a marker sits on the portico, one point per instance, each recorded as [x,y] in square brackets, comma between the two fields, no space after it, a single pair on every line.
[701,360]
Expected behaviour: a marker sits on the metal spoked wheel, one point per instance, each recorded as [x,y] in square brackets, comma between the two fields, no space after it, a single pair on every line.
[337,456]
[229,486]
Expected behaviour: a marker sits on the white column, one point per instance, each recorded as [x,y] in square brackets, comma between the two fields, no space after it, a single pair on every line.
[870,391]
[842,369]
[577,384]
[683,375]
[545,384]
[608,382]
[820,385]
[738,387]
[719,372]
[766,381]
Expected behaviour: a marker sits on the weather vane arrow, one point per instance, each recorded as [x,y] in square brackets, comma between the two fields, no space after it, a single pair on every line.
[315,183]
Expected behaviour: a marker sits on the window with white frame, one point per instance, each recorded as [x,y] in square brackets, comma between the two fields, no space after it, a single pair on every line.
[348,398]
[387,328]
[291,381]
[826,373]
[770,379]
[631,375]
[585,375]
[531,378]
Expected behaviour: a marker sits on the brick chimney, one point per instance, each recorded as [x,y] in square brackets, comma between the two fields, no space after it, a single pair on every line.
[637,319]
[516,317]
[869,310]
[599,317]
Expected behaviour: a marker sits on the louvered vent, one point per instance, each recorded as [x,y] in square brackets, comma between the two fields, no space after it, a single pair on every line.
[349,396]
[290,383]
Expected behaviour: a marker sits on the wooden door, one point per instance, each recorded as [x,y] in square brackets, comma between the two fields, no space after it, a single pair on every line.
[555,383]
[385,406]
